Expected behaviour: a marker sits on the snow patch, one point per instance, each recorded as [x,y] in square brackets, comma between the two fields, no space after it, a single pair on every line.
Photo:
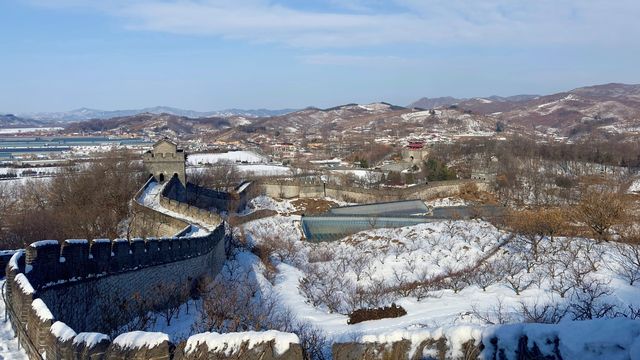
[76,241]
[90,338]
[13,262]
[139,339]
[41,310]
[62,331]
[231,156]
[24,284]
[231,342]
[40,243]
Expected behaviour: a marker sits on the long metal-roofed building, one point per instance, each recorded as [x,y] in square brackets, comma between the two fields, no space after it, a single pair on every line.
[343,221]
[393,208]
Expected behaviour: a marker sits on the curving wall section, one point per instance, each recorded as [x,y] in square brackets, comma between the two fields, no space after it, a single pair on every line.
[54,292]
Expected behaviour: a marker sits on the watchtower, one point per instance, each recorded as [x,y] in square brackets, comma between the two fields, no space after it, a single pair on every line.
[164,161]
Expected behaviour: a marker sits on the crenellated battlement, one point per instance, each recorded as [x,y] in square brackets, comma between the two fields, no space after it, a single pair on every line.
[49,262]
[165,160]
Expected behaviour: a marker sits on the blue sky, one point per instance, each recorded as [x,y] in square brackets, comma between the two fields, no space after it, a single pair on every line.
[210,54]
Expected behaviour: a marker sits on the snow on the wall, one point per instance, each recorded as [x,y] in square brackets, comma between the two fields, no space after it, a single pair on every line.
[139,339]
[593,339]
[41,310]
[90,339]
[24,284]
[231,342]
[62,331]
[43,243]
[13,262]
[455,335]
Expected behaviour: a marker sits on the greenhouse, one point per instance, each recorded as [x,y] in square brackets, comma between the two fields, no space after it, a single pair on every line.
[329,228]
[343,221]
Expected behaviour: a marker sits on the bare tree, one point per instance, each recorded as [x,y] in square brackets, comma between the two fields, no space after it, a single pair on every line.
[516,277]
[626,261]
[600,210]
[548,313]
[589,301]
[485,275]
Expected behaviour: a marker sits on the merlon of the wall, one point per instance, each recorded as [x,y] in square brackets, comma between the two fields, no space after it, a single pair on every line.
[39,333]
[49,263]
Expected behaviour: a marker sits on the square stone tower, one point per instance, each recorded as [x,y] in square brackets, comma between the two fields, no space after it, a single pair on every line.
[165,161]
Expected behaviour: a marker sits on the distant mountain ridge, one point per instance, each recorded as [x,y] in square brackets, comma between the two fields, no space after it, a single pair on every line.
[83,114]
[431,103]
[10,120]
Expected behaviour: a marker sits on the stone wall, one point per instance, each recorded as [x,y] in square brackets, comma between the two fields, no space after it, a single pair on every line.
[108,271]
[54,291]
[164,161]
[616,338]
[43,335]
[147,222]
[200,215]
[231,201]
[291,189]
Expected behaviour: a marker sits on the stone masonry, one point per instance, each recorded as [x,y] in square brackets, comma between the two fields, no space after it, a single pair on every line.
[164,161]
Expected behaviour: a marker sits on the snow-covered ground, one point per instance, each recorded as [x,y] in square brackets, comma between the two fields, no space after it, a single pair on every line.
[41,170]
[265,170]
[319,283]
[231,156]
[150,197]
[251,169]
[451,277]
[17,182]
[28,130]
[9,347]
[634,187]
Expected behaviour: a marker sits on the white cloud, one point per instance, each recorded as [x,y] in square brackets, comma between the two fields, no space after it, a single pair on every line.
[463,22]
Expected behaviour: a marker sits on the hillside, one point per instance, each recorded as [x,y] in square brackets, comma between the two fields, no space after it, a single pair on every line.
[377,119]
[601,109]
[162,123]
[10,120]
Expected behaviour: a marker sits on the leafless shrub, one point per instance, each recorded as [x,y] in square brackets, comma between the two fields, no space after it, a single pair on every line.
[550,313]
[516,277]
[626,261]
[125,314]
[242,307]
[485,275]
[600,210]
[320,253]
[631,312]
[359,263]
[167,299]
[561,282]
[314,343]
[456,281]
[282,249]
[497,314]
[401,281]
[426,286]
[322,286]
[589,301]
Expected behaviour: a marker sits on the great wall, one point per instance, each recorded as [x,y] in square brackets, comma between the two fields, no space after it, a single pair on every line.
[59,295]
